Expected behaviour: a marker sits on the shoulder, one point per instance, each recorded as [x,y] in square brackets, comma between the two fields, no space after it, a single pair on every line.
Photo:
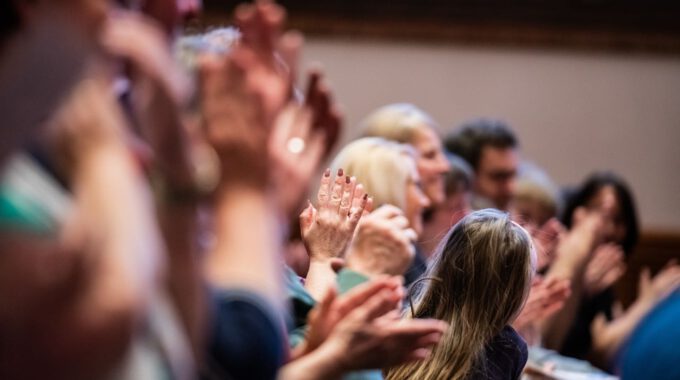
[507,353]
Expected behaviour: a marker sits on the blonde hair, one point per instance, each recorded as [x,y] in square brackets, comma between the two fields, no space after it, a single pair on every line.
[477,282]
[534,186]
[382,167]
[397,122]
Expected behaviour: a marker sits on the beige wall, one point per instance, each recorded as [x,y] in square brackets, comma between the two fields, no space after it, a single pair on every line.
[574,112]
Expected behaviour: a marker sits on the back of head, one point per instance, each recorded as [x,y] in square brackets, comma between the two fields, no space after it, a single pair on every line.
[396,122]
[477,282]
[468,140]
[382,167]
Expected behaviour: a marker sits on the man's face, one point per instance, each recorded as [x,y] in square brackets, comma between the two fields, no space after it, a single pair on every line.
[496,175]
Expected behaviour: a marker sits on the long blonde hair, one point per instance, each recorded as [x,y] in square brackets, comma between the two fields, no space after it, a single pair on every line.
[477,282]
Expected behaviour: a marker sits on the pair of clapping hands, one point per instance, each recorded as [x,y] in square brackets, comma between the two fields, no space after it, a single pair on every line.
[342,232]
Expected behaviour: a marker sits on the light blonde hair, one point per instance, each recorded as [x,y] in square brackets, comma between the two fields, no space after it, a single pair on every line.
[382,167]
[397,122]
[477,282]
[534,186]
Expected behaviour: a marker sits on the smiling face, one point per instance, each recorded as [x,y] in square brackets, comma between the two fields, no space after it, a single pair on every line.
[431,162]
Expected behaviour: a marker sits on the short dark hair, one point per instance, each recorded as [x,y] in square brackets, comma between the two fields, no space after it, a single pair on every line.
[589,189]
[468,140]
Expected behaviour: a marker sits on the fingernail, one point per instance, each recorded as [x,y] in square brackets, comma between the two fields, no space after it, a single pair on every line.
[366,196]
[347,179]
[340,172]
[327,173]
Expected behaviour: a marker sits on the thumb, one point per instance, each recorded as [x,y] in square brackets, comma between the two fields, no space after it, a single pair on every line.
[307,216]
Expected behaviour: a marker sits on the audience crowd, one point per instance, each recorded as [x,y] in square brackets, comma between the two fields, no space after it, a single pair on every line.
[156,223]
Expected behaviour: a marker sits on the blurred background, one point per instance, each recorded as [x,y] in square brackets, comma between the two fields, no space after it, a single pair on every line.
[587,85]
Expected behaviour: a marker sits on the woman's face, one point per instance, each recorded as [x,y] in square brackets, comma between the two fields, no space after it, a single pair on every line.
[416,202]
[606,202]
[432,164]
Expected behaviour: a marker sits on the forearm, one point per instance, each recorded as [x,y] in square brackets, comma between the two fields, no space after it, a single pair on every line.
[320,278]
[114,202]
[609,340]
[178,223]
[320,364]
[555,328]
[246,254]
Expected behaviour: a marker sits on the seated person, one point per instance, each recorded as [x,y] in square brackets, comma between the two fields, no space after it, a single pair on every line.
[478,282]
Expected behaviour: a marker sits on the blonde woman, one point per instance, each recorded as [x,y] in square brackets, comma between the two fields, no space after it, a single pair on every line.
[477,282]
[408,124]
[388,173]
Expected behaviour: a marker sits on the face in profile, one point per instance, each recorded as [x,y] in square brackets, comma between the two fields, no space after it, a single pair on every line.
[496,175]
[416,202]
[432,164]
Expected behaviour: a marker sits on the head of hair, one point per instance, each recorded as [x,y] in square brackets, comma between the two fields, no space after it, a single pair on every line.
[589,190]
[383,167]
[477,282]
[396,122]
[535,186]
[468,140]
[459,177]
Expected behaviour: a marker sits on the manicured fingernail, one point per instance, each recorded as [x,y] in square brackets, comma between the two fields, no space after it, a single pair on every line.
[327,173]
[340,172]
[366,196]
[347,179]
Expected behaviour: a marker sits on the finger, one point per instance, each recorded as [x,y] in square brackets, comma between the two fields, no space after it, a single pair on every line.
[327,300]
[377,306]
[332,127]
[399,222]
[416,328]
[358,198]
[306,216]
[284,125]
[416,355]
[336,191]
[290,47]
[645,279]
[337,264]
[360,294]
[357,212]
[347,195]
[302,124]
[313,153]
[410,234]
[324,189]
[369,205]
[311,97]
